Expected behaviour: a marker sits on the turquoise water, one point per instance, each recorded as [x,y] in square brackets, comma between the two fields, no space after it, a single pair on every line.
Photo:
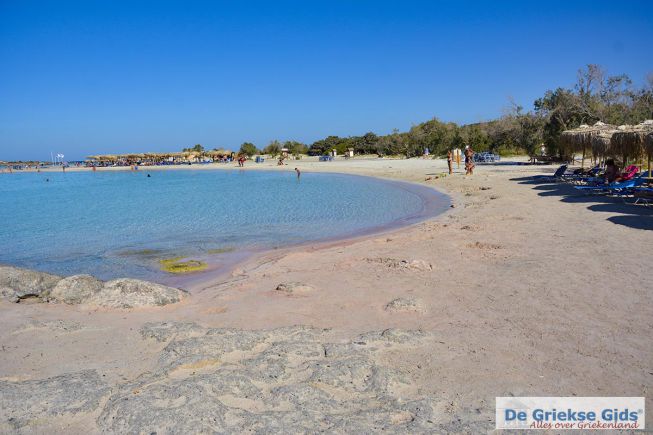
[115,224]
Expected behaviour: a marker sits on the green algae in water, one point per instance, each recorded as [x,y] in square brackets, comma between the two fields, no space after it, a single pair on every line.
[221,250]
[175,265]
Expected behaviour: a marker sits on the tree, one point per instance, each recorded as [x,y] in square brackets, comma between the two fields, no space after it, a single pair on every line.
[273,148]
[295,148]
[197,149]
[248,149]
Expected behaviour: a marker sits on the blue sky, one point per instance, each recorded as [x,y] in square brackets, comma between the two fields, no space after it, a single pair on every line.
[115,76]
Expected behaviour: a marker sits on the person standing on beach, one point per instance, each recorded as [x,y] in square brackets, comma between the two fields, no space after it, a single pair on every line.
[450,161]
[469,160]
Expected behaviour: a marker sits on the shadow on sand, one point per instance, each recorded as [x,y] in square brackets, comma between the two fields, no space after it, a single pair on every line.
[629,215]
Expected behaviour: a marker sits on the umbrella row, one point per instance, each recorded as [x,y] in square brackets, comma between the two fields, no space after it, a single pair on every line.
[605,140]
[186,155]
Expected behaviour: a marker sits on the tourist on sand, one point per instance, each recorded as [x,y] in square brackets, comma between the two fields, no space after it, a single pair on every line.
[450,161]
[299,173]
[611,171]
[469,160]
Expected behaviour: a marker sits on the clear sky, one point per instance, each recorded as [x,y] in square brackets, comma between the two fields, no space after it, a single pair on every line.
[86,77]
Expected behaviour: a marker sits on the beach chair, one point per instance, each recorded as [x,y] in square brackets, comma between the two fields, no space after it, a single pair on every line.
[643,196]
[618,188]
[559,173]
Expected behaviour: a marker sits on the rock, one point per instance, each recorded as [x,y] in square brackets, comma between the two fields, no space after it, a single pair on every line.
[393,263]
[294,288]
[17,283]
[419,265]
[133,293]
[27,403]
[405,305]
[76,289]
[163,331]
[272,381]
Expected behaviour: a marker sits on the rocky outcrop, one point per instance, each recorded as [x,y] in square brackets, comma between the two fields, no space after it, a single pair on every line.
[133,293]
[295,379]
[287,380]
[17,284]
[75,289]
[405,305]
[26,402]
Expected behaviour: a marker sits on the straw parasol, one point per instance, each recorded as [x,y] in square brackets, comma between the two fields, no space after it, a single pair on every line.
[580,139]
[600,143]
[628,140]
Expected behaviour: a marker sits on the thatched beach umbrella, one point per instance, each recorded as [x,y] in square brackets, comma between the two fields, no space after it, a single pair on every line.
[648,147]
[600,143]
[628,141]
[580,139]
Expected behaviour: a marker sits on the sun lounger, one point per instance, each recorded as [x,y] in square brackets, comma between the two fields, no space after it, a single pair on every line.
[612,188]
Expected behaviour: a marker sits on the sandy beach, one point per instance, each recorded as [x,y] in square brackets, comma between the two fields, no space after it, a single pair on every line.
[524,287]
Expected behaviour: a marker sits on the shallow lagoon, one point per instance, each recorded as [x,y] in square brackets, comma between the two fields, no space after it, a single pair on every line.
[115,224]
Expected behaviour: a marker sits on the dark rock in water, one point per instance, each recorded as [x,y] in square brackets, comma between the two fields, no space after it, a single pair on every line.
[17,283]
[75,289]
[22,403]
[132,293]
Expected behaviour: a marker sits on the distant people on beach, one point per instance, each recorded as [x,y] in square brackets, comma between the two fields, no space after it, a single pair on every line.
[469,160]
[450,161]
[241,161]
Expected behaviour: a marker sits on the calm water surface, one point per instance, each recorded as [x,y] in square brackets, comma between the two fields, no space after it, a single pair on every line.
[114,224]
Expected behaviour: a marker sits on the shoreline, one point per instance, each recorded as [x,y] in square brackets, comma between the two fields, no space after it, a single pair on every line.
[432,207]
[433,203]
